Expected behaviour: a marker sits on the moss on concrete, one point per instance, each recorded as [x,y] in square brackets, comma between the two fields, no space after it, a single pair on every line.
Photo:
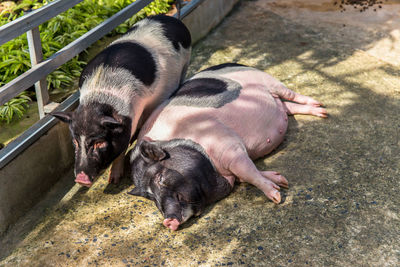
[11,131]
[343,204]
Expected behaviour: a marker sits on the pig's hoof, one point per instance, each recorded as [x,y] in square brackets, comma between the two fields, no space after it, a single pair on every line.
[321,112]
[313,102]
[172,224]
[114,179]
[270,189]
[276,177]
[274,195]
[318,111]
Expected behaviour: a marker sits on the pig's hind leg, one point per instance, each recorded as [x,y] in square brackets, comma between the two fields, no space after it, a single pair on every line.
[277,89]
[294,108]
[299,104]
[243,168]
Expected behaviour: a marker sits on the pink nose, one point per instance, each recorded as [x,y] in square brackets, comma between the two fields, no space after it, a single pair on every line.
[83,179]
[172,224]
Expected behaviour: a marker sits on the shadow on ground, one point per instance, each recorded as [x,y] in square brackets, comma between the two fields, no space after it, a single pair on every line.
[343,200]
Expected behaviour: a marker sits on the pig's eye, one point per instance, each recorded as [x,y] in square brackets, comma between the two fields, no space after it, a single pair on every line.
[100,145]
[159,179]
[180,198]
[75,143]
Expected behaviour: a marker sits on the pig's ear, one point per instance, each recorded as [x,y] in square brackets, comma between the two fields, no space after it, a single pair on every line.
[152,152]
[111,123]
[138,192]
[63,116]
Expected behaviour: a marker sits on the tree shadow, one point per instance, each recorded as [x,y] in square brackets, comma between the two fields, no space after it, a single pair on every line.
[113,189]
[337,168]
[343,171]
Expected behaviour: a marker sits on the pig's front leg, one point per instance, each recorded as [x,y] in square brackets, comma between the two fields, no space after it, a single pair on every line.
[243,168]
[117,169]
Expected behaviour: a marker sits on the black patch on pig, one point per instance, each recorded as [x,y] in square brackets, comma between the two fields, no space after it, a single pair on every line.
[206,92]
[174,30]
[218,70]
[202,87]
[127,55]
[177,175]
[224,65]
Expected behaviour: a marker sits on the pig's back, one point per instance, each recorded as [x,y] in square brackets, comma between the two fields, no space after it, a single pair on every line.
[138,66]
[221,108]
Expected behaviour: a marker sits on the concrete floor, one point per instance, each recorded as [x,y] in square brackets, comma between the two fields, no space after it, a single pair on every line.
[343,204]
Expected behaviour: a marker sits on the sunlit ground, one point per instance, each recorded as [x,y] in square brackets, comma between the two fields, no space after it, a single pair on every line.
[343,204]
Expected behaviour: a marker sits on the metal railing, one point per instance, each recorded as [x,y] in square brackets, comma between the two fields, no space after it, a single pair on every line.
[41,68]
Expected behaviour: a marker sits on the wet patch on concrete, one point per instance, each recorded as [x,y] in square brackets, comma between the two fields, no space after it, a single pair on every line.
[342,207]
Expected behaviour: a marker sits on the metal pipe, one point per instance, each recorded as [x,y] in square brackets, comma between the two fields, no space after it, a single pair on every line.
[35,132]
[36,56]
[188,8]
[33,19]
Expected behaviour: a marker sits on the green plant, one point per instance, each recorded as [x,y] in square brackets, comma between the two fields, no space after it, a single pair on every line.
[15,107]
[60,31]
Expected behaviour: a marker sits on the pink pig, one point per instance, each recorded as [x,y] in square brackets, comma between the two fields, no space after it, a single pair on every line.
[235,114]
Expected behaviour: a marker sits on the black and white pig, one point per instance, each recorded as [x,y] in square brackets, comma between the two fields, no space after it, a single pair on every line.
[119,88]
[195,145]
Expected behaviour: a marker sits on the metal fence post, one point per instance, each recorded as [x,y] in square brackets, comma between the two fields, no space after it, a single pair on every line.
[36,55]
[178,8]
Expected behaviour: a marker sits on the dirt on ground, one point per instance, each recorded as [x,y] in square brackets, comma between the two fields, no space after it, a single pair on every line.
[343,204]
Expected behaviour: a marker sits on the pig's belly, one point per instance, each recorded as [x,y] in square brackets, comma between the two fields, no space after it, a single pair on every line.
[264,134]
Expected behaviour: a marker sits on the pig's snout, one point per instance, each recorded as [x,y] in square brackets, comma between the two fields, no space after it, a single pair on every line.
[171,223]
[83,179]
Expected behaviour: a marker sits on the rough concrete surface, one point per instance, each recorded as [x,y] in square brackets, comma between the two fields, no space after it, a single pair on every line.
[343,204]
[24,180]
[29,176]
[206,16]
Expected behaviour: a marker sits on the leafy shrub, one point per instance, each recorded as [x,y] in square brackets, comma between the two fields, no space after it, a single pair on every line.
[57,33]
[15,107]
